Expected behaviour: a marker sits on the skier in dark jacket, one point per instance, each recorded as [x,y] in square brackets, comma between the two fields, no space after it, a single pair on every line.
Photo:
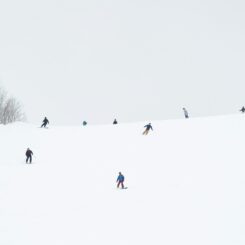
[115,121]
[45,122]
[186,113]
[29,154]
[243,109]
[148,127]
[120,180]
[84,123]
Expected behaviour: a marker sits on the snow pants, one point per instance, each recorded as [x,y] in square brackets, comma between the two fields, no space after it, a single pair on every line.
[120,183]
[146,132]
[28,158]
[44,125]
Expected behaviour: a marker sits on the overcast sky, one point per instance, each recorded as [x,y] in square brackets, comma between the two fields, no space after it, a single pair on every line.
[97,60]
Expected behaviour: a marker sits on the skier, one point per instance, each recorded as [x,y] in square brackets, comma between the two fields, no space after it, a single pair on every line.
[29,154]
[120,180]
[186,113]
[84,123]
[45,122]
[115,121]
[148,127]
[243,109]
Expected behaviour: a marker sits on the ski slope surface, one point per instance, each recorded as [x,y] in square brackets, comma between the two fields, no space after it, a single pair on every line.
[186,184]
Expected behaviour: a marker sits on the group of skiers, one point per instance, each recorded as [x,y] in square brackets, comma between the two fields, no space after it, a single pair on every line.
[120,178]
[29,153]
[116,122]
[148,127]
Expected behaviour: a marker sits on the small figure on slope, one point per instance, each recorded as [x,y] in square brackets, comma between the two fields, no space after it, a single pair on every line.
[243,109]
[29,154]
[148,127]
[45,122]
[120,180]
[186,113]
[84,123]
[115,121]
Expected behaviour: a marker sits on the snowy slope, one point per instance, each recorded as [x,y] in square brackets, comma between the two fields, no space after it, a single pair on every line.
[186,184]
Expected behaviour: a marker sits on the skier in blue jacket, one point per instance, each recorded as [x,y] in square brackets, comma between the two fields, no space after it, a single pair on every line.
[148,127]
[120,180]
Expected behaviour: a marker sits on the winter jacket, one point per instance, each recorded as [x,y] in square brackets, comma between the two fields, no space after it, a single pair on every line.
[120,178]
[45,120]
[29,153]
[148,127]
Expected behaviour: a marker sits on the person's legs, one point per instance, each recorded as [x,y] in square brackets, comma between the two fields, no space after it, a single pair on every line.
[26,159]
[30,158]
[44,125]
[120,183]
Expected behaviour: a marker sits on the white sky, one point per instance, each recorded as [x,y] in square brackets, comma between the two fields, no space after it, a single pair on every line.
[97,60]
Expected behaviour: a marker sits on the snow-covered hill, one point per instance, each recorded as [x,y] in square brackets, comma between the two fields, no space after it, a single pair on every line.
[186,184]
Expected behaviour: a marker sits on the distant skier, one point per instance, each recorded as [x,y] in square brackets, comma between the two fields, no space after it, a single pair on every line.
[243,109]
[115,121]
[186,113]
[84,123]
[29,154]
[45,122]
[120,180]
[148,127]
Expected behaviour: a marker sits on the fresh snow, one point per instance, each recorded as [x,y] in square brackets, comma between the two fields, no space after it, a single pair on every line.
[186,184]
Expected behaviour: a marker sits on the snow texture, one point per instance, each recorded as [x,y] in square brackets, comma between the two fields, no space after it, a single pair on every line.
[186,184]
